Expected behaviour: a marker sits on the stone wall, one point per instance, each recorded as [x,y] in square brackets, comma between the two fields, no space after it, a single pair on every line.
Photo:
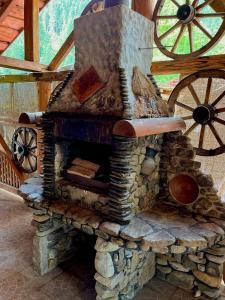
[122,269]
[53,243]
[200,271]
[178,157]
[134,182]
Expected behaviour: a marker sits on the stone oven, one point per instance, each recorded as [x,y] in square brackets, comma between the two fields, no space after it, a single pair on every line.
[98,161]
[117,167]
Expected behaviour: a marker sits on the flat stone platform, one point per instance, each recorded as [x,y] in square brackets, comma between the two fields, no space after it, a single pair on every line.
[162,229]
[72,280]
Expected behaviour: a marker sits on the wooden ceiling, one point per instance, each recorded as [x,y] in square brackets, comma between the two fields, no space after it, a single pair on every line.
[12,20]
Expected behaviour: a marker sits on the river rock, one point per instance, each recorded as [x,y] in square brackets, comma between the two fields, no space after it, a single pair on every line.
[104,246]
[104,264]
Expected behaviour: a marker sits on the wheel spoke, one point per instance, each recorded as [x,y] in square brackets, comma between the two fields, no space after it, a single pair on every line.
[30,163]
[25,136]
[220,110]
[208,90]
[22,137]
[166,17]
[203,29]
[218,120]
[165,34]
[201,139]
[176,3]
[215,133]
[195,2]
[184,106]
[33,148]
[204,4]
[194,95]
[31,141]
[32,154]
[191,129]
[211,15]
[190,33]
[187,118]
[178,38]
[218,99]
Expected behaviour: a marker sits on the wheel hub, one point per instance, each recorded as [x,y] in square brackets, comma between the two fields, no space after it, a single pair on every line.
[23,150]
[203,114]
[186,13]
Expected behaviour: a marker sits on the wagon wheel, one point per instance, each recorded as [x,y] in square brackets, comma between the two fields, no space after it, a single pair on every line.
[93,7]
[187,22]
[207,111]
[24,149]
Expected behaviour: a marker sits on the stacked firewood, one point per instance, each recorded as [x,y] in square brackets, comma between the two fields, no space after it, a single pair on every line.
[84,168]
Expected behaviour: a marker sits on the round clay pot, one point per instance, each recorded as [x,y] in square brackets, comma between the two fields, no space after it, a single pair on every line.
[184,189]
[111,3]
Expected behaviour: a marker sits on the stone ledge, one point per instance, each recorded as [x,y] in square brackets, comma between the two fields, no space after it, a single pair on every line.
[162,229]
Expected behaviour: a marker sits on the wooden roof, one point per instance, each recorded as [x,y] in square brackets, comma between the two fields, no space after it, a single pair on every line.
[12,20]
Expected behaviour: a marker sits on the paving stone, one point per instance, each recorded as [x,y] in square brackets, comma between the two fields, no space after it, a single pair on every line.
[188,238]
[210,236]
[136,230]
[212,227]
[214,282]
[159,239]
[110,228]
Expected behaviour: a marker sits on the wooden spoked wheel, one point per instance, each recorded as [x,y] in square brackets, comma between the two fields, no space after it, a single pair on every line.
[24,149]
[187,28]
[93,7]
[200,100]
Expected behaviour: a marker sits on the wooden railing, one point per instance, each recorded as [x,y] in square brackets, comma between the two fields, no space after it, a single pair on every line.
[10,176]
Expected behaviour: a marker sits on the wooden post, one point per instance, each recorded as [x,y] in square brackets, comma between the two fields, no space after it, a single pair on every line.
[144,7]
[44,91]
[31,30]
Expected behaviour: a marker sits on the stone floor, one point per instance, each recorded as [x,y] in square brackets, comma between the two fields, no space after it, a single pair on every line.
[72,280]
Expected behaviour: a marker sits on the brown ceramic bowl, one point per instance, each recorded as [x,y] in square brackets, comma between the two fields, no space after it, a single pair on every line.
[184,189]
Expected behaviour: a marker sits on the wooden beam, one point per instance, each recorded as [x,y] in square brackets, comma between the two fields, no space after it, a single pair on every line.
[12,63]
[188,66]
[218,5]
[62,53]
[31,30]
[144,7]
[5,10]
[35,77]
[44,91]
